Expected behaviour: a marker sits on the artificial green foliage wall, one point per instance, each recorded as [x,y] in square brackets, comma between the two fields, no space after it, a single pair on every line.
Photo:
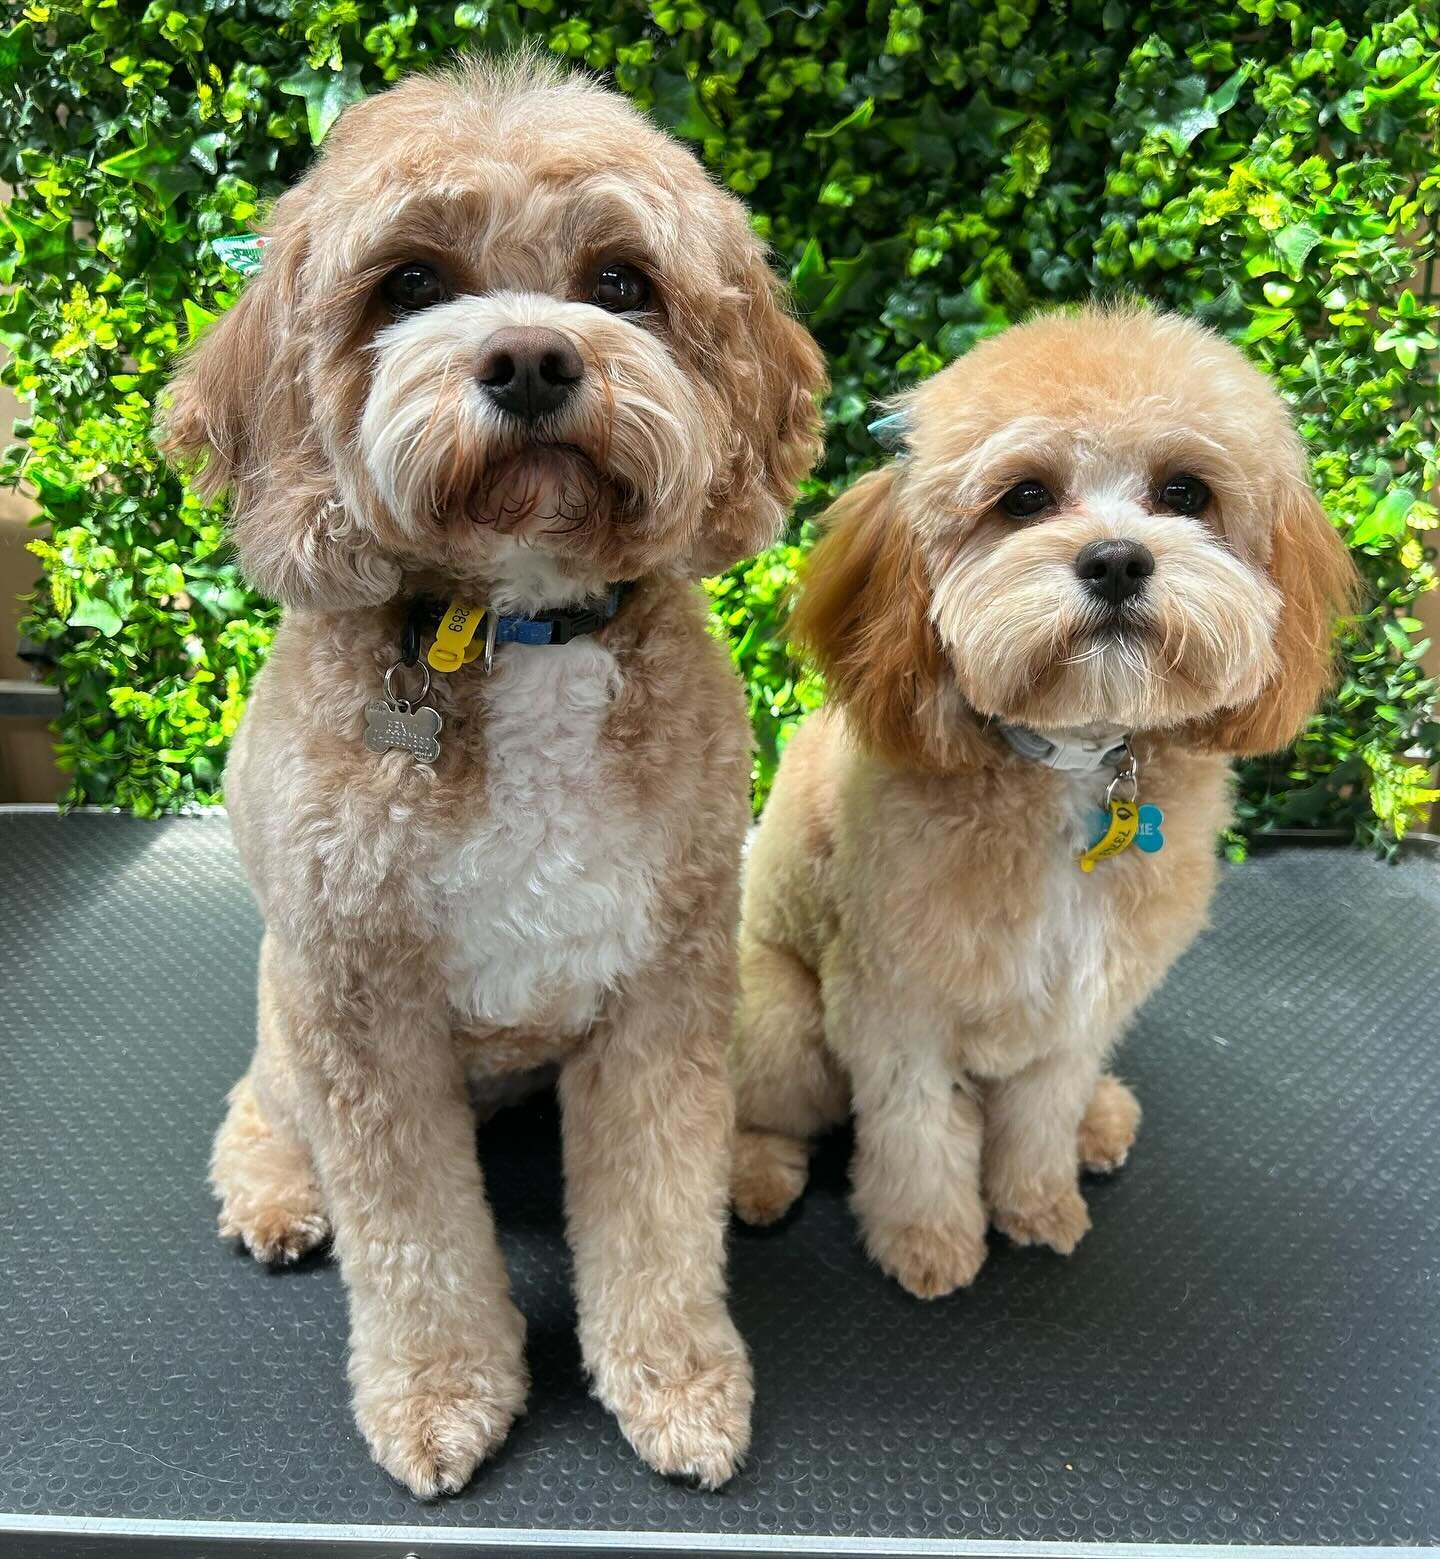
[926,173]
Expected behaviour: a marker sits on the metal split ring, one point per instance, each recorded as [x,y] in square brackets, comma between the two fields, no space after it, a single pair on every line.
[1127,774]
[406,703]
[1123,779]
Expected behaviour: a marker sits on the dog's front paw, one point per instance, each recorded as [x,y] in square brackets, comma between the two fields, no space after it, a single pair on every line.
[688,1414]
[767,1175]
[1108,1131]
[928,1262]
[278,1233]
[431,1428]
[1058,1219]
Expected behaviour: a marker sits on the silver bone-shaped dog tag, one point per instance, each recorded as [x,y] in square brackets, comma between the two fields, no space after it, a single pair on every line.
[392,722]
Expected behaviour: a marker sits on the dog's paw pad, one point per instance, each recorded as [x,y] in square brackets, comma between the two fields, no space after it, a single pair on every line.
[1060,1222]
[929,1263]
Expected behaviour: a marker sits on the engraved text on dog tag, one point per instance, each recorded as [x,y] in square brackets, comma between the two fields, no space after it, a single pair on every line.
[391,722]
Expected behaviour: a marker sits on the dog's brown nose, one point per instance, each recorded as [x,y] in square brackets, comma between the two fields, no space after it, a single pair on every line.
[1115,569]
[528,370]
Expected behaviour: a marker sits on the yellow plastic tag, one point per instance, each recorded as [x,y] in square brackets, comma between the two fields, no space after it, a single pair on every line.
[1119,834]
[458,627]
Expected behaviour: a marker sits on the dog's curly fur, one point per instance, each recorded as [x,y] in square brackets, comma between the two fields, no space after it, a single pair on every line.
[561,885]
[919,944]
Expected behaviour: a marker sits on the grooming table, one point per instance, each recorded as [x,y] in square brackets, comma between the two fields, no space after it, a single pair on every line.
[1243,1351]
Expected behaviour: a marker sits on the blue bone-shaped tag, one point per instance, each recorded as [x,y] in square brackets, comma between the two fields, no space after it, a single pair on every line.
[1148,838]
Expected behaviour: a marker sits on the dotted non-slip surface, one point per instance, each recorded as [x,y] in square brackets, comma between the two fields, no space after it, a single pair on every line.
[1245,1350]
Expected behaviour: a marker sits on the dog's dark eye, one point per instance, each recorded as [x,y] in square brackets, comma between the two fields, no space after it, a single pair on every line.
[1184,494]
[414,286]
[621,289]
[1026,499]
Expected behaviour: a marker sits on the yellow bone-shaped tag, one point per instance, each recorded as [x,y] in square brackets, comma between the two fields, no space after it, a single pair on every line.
[458,626]
[1119,835]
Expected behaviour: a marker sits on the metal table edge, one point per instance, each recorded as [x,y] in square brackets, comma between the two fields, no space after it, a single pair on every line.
[64,1535]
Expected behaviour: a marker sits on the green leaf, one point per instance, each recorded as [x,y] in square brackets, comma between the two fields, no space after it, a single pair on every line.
[1294,244]
[856,119]
[1386,521]
[1186,110]
[1227,94]
[678,106]
[808,279]
[1418,78]
[1265,323]
[95,612]
[326,92]
[205,149]
[1182,114]
[18,54]
[37,245]
[196,319]
[156,165]
[1260,263]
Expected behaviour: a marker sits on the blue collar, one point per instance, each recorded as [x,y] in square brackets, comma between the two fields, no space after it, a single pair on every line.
[557,625]
[560,625]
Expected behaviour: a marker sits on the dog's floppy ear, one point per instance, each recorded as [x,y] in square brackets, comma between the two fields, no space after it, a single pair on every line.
[863,613]
[771,371]
[1312,571]
[239,418]
[790,370]
[217,402]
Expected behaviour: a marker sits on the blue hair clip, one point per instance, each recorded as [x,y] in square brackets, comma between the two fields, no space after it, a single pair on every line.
[891,431]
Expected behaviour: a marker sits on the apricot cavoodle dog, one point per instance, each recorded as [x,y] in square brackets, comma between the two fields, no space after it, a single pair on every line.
[1096,572]
[513,374]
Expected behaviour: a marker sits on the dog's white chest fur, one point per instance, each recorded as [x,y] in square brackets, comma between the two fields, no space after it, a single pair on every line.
[545,902]
[1063,971]
[1080,918]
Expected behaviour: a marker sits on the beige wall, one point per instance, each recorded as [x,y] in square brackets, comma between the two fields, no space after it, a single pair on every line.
[27,768]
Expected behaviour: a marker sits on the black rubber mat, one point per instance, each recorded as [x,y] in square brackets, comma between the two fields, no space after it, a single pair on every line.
[1244,1350]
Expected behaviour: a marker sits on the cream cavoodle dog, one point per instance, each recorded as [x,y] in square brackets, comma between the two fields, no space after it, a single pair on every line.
[1096,571]
[512,375]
